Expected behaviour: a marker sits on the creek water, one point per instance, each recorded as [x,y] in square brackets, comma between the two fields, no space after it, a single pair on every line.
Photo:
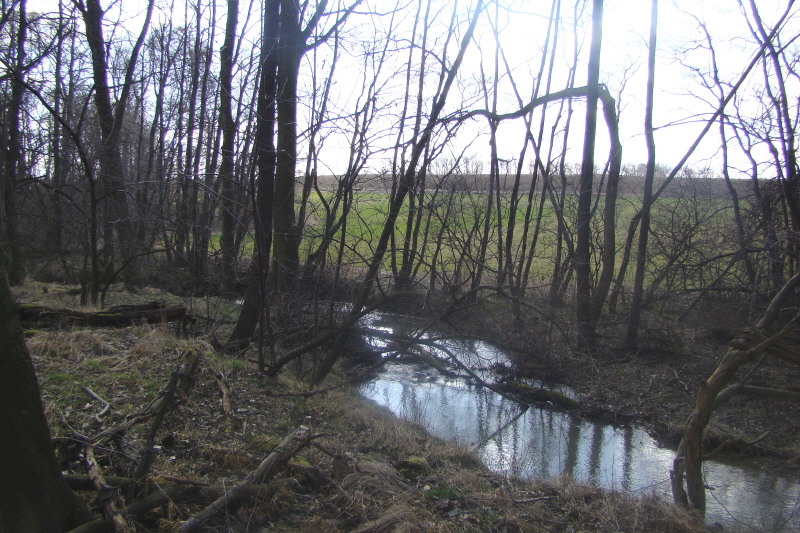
[543,442]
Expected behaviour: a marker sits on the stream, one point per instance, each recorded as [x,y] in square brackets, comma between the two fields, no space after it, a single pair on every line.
[543,443]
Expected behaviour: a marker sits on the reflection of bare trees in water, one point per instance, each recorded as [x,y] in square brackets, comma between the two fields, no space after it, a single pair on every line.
[201,159]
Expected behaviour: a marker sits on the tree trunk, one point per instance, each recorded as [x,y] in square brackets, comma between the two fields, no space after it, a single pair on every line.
[644,232]
[55,216]
[286,240]
[110,118]
[255,297]
[15,162]
[202,230]
[228,128]
[610,208]
[583,273]
[33,495]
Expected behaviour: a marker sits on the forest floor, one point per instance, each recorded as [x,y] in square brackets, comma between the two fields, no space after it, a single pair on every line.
[365,470]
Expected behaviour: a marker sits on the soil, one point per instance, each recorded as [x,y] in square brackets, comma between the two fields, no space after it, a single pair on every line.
[367,470]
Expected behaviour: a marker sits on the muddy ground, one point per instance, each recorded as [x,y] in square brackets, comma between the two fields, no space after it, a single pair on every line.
[366,470]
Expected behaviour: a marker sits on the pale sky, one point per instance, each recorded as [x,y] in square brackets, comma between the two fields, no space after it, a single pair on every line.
[625,34]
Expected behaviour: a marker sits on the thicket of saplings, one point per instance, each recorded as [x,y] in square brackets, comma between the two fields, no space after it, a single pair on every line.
[454,247]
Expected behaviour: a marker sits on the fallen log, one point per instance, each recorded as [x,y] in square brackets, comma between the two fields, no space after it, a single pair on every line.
[529,393]
[118,316]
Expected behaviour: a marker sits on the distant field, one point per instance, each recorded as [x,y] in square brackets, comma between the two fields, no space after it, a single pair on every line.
[694,210]
[629,184]
[459,218]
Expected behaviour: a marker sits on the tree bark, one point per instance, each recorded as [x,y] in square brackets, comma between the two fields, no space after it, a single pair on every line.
[14,160]
[33,495]
[228,128]
[255,299]
[286,253]
[111,117]
[609,254]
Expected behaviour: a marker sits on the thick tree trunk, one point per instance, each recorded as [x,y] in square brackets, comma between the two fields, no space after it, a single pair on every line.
[257,286]
[228,128]
[33,495]
[610,209]
[286,252]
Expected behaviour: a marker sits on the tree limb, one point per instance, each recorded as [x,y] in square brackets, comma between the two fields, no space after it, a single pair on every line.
[290,445]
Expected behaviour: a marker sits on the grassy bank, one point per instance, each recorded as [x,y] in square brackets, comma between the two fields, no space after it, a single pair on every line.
[366,471]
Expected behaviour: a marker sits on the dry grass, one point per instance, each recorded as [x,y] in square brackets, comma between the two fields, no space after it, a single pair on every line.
[371,472]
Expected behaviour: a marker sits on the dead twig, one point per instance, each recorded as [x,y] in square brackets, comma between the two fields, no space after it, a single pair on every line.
[318,475]
[106,405]
[186,367]
[323,449]
[227,405]
[394,515]
[159,497]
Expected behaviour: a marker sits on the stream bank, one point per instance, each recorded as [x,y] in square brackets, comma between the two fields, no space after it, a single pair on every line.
[542,443]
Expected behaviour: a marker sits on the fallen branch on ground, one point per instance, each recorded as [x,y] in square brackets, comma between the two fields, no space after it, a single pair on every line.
[186,366]
[121,315]
[290,445]
[148,454]
[106,405]
[160,497]
[108,498]
[227,405]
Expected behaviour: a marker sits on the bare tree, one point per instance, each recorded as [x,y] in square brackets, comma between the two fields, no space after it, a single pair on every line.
[117,222]
[228,128]
[405,185]
[644,232]
[14,168]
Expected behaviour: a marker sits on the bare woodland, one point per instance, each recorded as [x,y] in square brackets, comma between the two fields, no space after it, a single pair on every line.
[313,161]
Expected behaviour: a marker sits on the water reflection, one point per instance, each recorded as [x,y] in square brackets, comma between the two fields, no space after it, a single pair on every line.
[542,443]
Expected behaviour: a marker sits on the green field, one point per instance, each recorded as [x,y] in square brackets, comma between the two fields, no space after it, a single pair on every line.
[698,227]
